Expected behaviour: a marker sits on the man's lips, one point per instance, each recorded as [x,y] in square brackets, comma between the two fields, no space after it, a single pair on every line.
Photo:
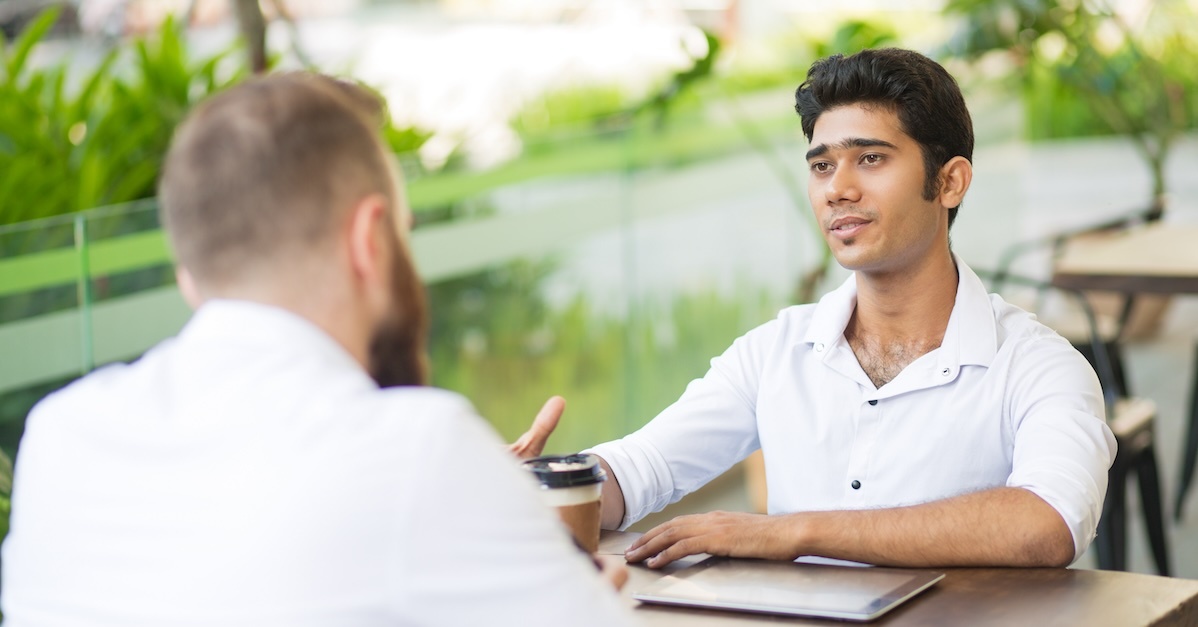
[846,225]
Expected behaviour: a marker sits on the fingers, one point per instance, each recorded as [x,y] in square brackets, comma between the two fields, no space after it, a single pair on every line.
[653,536]
[716,533]
[547,419]
[678,550]
[532,443]
[613,570]
[670,541]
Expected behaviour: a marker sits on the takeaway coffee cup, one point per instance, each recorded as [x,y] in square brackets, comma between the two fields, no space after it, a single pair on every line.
[572,484]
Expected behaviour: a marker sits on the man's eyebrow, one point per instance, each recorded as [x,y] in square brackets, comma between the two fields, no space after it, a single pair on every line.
[851,142]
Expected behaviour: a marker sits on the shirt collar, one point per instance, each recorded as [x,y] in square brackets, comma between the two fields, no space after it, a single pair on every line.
[266,328]
[972,330]
[971,337]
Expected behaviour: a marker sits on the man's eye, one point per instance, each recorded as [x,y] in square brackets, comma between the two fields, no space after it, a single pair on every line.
[820,166]
[871,158]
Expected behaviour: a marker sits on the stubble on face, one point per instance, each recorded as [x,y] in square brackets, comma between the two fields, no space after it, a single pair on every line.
[866,188]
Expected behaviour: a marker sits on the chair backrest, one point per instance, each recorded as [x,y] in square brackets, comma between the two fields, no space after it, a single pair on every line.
[1054,242]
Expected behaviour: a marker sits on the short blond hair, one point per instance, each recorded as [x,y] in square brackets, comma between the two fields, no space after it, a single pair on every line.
[263,173]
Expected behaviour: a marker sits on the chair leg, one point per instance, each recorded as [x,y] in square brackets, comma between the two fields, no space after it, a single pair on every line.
[1103,548]
[1114,350]
[1112,529]
[1150,501]
[1190,456]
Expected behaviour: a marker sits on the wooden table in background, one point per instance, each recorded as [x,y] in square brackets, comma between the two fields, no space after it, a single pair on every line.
[1039,597]
[1158,259]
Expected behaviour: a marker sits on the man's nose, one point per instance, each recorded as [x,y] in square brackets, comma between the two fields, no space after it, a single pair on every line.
[842,186]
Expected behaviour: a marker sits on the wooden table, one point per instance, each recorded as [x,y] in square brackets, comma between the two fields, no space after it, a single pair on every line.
[1040,597]
[1154,258]
[1157,258]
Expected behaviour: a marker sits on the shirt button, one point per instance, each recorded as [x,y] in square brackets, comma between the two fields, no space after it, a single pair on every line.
[874,402]
[945,372]
[819,348]
[856,484]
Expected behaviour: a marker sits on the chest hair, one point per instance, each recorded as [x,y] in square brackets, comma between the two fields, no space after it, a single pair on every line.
[882,360]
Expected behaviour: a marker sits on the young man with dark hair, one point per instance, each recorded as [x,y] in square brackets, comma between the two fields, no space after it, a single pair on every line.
[908,418]
[263,467]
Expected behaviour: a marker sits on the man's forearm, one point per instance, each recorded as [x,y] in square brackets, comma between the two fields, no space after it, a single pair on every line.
[997,527]
[612,508]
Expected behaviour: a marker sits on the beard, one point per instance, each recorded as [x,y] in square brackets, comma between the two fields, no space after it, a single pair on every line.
[398,355]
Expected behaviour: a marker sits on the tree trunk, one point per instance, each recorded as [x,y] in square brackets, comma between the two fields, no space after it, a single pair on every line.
[253,28]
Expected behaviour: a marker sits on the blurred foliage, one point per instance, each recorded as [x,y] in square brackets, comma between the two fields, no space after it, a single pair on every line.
[404,140]
[579,109]
[508,352]
[103,144]
[5,493]
[854,36]
[1086,71]
[570,109]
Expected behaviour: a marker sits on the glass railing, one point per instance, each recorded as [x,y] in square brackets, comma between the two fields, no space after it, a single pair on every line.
[612,280]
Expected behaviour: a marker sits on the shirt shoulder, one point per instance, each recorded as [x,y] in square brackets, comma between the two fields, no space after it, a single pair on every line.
[110,384]
[428,423]
[1038,361]
[788,328]
[1019,330]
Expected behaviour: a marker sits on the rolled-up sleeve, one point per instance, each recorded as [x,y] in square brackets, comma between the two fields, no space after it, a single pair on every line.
[1063,447]
[711,427]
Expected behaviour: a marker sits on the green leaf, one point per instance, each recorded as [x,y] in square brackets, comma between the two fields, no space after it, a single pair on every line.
[135,183]
[85,100]
[30,38]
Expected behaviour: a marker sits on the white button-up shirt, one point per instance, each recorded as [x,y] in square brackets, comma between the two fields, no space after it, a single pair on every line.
[1004,401]
[248,472]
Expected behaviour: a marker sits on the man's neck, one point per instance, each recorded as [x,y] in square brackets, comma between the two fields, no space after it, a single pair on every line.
[901,316]
[332,311]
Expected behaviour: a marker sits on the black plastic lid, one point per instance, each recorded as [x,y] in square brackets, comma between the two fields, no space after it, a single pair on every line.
[584,470]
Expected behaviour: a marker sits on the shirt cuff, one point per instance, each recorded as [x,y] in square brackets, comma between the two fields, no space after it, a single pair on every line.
[1070,490]
[643,474]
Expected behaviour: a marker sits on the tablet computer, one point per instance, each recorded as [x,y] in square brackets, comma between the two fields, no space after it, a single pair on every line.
[795,589]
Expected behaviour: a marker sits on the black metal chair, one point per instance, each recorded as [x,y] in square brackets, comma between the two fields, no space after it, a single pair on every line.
[1132,420]
[1110,330]
[1054,243]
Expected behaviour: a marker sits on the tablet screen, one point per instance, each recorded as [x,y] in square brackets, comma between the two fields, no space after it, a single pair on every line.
[789,588]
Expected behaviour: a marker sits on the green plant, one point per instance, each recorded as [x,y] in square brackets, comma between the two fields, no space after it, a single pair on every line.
[853,36]
[103,144]
[64,150]
[572,109]
[508,352]
[1085,70]
[5,492]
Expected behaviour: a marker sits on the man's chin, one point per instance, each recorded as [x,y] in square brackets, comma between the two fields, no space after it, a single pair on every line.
[851,257]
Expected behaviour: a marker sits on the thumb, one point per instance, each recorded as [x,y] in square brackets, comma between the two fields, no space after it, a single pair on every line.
[532,443]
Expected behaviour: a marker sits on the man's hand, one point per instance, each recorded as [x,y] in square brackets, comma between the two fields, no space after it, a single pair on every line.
[612,569]
[533,441]
[995,527]
[730,534]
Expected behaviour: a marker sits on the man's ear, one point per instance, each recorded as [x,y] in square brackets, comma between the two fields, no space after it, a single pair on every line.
[367,230]
[187,287]
[955,177]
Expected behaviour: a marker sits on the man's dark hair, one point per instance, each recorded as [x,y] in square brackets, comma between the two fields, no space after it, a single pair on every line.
[926,98]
